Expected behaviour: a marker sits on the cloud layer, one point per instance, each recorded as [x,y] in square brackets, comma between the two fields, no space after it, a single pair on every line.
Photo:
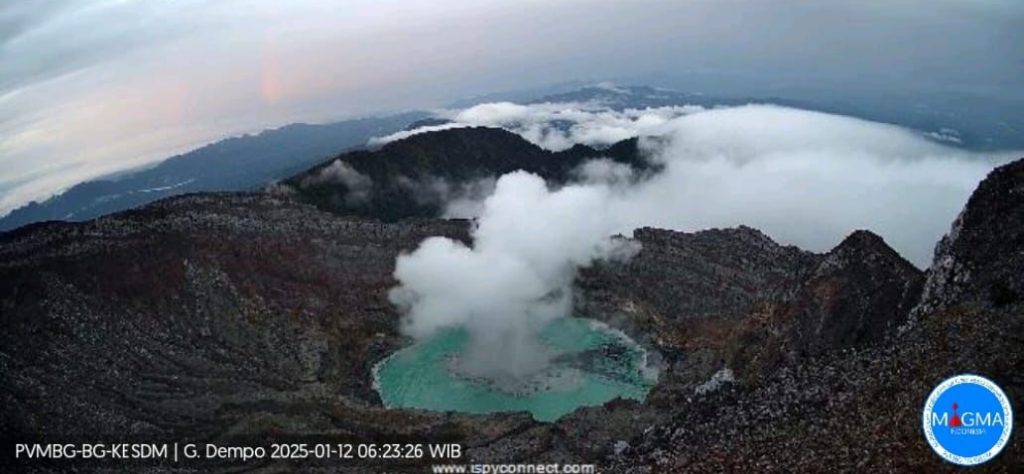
[556,126]
[90,87]
[805,178]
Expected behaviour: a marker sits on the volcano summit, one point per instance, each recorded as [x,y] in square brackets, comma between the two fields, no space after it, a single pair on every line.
[289,312]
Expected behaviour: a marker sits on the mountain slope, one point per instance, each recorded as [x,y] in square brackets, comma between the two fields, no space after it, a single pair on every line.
[860,410]
[416,176]
[232,164]
[248,162]
[209,315]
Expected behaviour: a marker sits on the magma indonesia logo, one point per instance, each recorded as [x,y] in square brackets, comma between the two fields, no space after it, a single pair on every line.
[967,420]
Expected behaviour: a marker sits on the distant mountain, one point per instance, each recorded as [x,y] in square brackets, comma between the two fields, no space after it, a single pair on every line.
[640,97]
[233,164]
[965,122]
[627,97]
[251,161]
[415,176]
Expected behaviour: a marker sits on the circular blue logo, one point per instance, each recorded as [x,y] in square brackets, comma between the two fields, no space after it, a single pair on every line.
[967,419]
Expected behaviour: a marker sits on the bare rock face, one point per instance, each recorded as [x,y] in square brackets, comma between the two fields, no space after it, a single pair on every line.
[860,293]
[214,314]
[858,407]
[711,275]
[196,316]
[733,299]
[981,259]
[211,315]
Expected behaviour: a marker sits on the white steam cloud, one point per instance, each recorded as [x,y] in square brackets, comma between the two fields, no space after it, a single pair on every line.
[556,126]
[805,178]
[460,200]
[516,277]
[403,134]
[358,185]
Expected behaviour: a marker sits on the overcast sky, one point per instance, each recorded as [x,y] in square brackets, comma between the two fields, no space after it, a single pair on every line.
[90,87]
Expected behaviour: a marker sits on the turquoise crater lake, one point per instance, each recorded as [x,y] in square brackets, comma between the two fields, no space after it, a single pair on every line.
[592,364]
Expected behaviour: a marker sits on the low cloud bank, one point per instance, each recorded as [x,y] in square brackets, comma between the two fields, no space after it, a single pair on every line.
[556,126]
[805,178]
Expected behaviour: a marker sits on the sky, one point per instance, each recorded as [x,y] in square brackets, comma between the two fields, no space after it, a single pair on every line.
[93,87]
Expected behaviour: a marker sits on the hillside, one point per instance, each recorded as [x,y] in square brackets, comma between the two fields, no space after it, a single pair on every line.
[416,176]
[234,164]
[218,315]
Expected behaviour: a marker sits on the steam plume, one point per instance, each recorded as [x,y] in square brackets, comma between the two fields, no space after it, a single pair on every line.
[515,278]
[805,178]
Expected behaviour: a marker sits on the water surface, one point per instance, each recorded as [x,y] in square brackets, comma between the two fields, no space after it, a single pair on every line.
[593,365]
